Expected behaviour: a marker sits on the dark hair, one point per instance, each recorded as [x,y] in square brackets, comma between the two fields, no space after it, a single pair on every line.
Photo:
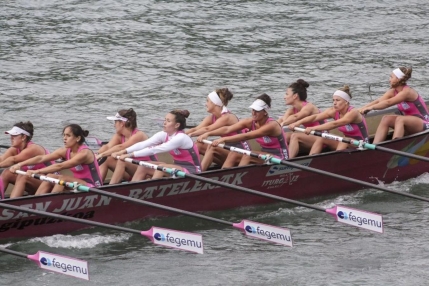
[225,95]
[180,117]
[27,126]
[265,98]
[346,89]
[403,81]
[131,115]
[77,131]
[300,87]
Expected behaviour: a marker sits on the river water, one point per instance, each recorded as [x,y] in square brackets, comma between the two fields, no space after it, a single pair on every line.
[79,61]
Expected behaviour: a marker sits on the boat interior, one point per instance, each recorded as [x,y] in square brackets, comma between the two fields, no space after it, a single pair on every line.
[372,119]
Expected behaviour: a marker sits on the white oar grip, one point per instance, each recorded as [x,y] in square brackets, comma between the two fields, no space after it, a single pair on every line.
[20,172]
[211,142]
[142,163]
[299,129]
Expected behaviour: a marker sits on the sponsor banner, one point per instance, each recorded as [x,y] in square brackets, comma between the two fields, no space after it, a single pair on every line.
[359,218]
[178,239]
[283,169]
[267,232]
[64,265]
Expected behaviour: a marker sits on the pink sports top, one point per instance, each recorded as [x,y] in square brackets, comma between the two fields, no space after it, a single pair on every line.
[358,131]
[310,124]
[144,158]
[90,173]
[241,144]
[38,165]
[415,108]
[273,145]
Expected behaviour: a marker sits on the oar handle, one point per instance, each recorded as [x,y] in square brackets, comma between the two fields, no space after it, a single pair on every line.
[329,136]
[211,142]
[49,179]
[231,148]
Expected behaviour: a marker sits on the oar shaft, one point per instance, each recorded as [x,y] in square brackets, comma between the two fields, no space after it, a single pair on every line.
[359,182]
[225,185]
[364,144]
[121,197]
[321,172]
[68,218]
[16,253]
[158,206]
[402,153]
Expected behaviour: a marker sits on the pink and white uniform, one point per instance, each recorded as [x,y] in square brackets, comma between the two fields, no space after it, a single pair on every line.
[90,173]
[310,124]
[180,146]
[241,144]
[358,131]
[273,145]
[146,158]
[38,165]
[415,108]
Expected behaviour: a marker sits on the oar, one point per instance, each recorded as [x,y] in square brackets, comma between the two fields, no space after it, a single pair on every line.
[362,144]
[56,263]
[362,219]
[157,235]
[262,231]
[317,171]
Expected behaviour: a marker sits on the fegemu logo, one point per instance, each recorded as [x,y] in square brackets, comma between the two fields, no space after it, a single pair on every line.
[65,265]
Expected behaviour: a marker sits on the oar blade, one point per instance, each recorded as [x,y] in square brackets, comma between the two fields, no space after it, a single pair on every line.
[358,218]
[266,232]
[61,264]
[175,239]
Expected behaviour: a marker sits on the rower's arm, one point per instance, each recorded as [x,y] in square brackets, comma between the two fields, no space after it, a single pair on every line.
[206,122]
[303,113]
[386,96]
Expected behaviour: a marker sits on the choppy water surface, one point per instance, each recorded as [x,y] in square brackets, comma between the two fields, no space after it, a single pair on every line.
[79,61]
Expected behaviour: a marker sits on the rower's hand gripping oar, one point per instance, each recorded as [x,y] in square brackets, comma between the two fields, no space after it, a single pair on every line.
[159,236]
[362,144]
[167,239]
[55,263]
[342,214]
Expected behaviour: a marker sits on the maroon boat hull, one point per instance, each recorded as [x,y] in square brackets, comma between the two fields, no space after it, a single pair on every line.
[196,196]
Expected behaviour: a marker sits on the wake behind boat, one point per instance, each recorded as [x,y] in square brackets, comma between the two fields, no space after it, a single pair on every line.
[196,196]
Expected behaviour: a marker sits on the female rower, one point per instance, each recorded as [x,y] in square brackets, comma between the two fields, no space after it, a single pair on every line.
[127,134]
[173,140]
[220,116]
[296,96]
[347,119]
[415,116]
[22,148]
[78,158]
[268,132]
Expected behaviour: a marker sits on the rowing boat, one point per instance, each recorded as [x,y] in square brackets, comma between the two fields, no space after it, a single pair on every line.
[196,196]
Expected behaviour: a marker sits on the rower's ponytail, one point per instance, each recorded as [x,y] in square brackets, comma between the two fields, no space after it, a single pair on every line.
[180,117]
[346,89]
[27,126]
[407,75]
[225,95]
[131,115]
